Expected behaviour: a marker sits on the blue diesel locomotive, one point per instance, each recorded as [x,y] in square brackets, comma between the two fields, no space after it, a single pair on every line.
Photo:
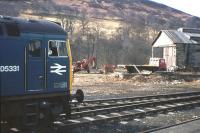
[35,70]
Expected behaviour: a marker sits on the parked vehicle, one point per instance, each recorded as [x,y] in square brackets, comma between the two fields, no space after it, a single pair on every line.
[155,64]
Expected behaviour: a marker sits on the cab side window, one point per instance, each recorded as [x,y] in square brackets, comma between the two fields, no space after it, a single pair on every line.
[34,48]
[62,48]
[53,51]
[57,49]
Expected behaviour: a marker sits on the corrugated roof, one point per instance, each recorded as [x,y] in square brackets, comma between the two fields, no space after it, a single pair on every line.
[191,35]
[190,30]
[177,37]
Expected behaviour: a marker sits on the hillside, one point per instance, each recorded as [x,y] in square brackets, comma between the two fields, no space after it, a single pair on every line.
[102,9]
[116,31]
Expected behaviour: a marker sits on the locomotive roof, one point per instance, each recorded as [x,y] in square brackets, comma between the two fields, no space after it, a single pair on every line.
[34,26]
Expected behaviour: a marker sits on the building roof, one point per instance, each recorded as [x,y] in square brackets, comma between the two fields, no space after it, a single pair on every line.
[178,37]
[189,30]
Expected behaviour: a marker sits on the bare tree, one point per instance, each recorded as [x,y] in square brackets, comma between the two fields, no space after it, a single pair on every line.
[84,21]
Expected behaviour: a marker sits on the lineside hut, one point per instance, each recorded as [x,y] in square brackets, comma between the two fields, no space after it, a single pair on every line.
[180,48]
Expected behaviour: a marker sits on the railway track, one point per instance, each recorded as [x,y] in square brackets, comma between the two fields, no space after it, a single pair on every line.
[126,108]
[104,103]
[119,109]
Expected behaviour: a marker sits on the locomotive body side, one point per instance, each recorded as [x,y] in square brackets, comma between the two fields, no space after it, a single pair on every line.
[34,70]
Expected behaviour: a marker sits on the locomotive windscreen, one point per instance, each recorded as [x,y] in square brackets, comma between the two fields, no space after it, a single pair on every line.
[12,29]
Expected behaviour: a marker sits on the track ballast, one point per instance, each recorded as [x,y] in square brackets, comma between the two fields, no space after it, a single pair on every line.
[99,111]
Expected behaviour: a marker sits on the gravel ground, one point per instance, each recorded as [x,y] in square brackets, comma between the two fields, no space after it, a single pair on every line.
[99,86]
[139,125]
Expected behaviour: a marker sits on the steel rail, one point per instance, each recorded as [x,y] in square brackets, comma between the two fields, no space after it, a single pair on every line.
[135,98]
[131,106]
[68,124]
[107,105]
[127,101]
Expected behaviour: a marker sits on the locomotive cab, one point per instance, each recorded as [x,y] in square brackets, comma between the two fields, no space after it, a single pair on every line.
[35,70]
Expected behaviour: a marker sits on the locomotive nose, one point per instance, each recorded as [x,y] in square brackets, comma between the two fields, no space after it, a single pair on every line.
[79,96]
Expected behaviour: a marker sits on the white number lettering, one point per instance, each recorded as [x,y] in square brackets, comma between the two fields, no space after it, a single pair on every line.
[6,69]
[18,68]
[9,68]
[1,68]
[14,68]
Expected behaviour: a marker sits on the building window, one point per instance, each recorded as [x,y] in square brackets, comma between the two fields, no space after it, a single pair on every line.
[34,48]
[12,29]
[57,48]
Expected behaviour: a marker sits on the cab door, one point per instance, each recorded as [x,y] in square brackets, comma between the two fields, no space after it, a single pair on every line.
[35,66]
[57,65]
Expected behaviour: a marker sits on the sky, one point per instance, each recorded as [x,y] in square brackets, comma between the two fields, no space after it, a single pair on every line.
[189,6]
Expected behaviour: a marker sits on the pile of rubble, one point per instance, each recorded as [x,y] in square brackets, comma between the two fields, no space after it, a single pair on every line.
[148,78]
[144,78]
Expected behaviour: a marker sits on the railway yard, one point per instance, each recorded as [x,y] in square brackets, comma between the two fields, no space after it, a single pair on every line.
[130,103]
[118,102]
[98,66]
[130,114]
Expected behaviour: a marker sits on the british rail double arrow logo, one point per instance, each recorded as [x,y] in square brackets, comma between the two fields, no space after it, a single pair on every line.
[58,69]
